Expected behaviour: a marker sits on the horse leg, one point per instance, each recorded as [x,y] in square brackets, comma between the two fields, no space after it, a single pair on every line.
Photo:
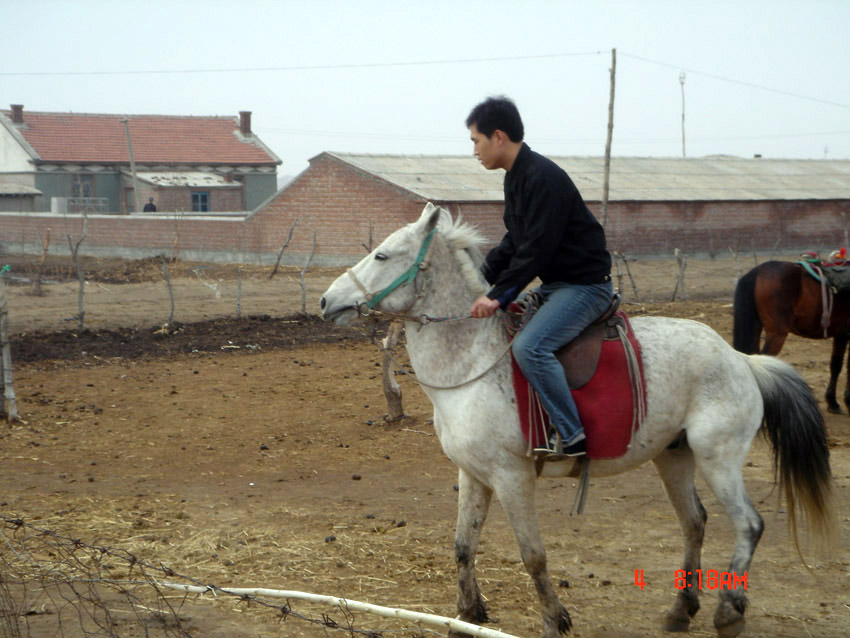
[773,342]
[722,471]
[847,386]
[473,504]
[516,494]
[836,362]
[676,469]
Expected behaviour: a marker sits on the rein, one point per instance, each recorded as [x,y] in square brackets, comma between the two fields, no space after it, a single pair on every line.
[422,319]
[453,386]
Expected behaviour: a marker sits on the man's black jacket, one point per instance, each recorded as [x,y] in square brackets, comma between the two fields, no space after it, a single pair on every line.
[551,233]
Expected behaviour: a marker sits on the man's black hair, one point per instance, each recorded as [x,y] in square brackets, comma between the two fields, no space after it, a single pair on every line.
[497,113]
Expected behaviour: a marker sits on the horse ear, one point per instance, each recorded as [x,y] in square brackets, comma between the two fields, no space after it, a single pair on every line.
[430,216]
[427,211]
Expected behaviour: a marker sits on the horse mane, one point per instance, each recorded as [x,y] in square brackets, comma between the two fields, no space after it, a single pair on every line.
[465,241]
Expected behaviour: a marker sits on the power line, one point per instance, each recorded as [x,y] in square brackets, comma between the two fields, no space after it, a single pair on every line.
[303,67]
[412,63]
[738,82]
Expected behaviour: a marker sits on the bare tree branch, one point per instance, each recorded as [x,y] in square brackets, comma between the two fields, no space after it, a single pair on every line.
[282,248]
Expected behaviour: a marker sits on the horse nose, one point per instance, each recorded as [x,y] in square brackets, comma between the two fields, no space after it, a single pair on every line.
[322,303]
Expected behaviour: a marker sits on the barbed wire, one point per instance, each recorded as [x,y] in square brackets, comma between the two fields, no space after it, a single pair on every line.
[91,590]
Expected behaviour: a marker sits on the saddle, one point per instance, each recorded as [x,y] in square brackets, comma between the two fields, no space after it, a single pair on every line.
[604,371]
[834,271]
[580,357]
[833,275]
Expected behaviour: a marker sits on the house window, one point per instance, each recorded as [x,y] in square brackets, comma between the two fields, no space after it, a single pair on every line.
[82,185]
[200,201]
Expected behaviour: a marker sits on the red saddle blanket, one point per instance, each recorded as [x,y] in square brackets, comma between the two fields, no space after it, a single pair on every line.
[608,404]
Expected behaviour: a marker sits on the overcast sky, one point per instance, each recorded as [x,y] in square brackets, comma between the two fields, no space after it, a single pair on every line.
[769,77]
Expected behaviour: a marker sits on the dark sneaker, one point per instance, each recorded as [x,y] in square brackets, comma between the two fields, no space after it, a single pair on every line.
[579,448]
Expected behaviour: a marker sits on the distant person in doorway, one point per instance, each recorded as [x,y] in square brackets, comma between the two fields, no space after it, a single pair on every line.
[150,207]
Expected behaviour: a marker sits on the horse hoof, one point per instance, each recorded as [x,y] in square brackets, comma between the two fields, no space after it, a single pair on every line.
[833,409]
[558,626]
[676,622]
[729,618]
[732,629]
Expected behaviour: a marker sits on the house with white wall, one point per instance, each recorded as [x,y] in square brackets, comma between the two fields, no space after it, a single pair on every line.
[114,164]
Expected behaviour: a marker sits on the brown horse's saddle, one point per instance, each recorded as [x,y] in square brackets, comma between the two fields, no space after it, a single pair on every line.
[835,269]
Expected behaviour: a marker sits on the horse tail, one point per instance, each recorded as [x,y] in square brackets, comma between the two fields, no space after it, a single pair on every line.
[795,428]
[746,325]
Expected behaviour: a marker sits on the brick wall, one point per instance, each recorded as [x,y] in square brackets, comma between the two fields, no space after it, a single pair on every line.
[180,199]
[131,236]
[341,204]
[713,227]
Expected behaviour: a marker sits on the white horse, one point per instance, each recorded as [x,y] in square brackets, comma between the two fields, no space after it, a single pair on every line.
[705,404]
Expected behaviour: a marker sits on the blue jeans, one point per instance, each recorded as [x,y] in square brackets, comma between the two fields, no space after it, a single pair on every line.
[568,309]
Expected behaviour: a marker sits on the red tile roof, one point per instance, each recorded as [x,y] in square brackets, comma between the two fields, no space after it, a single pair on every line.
[166,139]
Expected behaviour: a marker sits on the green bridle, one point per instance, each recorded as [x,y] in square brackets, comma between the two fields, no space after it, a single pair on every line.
[407,277]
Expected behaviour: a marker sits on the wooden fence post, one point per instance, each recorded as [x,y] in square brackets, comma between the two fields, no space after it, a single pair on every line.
[81,276]
[8,404]
[392,390]
[170,290]
[682,262]
[303,274]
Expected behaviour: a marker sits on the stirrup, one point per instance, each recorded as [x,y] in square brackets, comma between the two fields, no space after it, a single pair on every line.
[552,450]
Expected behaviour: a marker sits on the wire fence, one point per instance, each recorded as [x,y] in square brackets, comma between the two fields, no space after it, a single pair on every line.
[158,291]
[56,585]
[51,584]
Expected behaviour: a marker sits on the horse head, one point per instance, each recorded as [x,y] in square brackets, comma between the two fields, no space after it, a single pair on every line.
[386,278]
[390,278]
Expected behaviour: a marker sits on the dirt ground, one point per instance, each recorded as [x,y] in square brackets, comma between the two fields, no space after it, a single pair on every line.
[252,452]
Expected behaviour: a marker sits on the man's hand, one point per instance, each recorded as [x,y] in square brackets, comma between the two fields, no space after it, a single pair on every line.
[484,307]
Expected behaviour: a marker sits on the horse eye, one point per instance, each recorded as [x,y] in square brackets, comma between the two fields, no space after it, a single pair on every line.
[381,257]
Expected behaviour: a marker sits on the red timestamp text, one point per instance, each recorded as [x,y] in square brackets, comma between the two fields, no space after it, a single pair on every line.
[709,579]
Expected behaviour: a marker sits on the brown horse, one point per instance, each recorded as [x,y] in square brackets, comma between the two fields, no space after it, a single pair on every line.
[781,297]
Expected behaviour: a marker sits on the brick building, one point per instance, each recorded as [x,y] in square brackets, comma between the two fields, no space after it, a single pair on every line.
[655,204]
[700,205]
[79,162]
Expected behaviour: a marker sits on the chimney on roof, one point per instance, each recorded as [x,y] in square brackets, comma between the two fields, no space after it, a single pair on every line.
[245,122]
[17,113]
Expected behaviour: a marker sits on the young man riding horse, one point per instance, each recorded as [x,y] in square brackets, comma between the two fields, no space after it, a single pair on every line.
[552,235]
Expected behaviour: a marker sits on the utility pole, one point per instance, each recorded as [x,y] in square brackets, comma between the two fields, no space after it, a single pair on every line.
[126,123]
[682,82]
[608,140]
